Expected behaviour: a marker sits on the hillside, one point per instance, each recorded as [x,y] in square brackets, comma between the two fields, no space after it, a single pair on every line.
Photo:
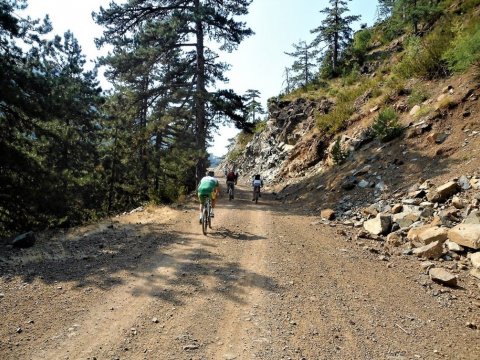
[373,134]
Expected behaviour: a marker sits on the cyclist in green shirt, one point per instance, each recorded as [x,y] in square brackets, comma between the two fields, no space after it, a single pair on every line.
[209,187]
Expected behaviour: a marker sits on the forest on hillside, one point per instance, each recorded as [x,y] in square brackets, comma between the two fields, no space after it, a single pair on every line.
[71,152]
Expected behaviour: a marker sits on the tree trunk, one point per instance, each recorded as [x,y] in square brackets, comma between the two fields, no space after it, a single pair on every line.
[143,146]
[200,98]
[113,175]
[335,40]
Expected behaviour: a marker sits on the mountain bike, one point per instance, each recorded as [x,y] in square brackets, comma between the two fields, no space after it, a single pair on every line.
[256,193]
[207,216]
[230,185]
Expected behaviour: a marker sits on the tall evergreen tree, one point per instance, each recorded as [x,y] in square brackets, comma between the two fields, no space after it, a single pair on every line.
[287,80]
[303,65]
[48,107]
[416,11]
[385,8]
[186,25]
[335,32]
[253,107]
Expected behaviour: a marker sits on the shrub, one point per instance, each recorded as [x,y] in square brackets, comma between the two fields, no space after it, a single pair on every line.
[418,96]
[386,126]
[466,50]
[335,120]
[260,126]
[338,154]
[243,139]
[423,111]
[351,77]
[425,57]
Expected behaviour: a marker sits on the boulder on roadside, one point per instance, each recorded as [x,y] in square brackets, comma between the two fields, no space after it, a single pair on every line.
[437,137]
[473,218]
[380,225]
[475,259]
[414,232]
[432,234]
[467,235]
[405,219]
[443,277]
[458,203]
[453,246]
[328,214]
[433,250]
[442,193]
[394,240]
[475,273]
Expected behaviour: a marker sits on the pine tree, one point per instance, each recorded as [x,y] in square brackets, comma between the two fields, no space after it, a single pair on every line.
[385,8]
[48,112]
[416,11]
[185,25]
[252,105]
[287,80]
[335,32]
[303,65]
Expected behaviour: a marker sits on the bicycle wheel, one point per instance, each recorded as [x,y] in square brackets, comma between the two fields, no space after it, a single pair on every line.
[230,193]
[205,219]
[257,190]
[209,216]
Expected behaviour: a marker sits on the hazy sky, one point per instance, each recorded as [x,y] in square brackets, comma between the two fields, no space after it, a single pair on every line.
[259,62]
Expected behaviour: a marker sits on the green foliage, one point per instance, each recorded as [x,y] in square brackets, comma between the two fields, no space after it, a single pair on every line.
[339,155]
[386,126]
[424,57]
[303,66]
[243,139]
[466,48]
[423,111]
[351,77]
[467,5]
[361,41]
[260,126]
[336,32]
[418,96]
[335,120]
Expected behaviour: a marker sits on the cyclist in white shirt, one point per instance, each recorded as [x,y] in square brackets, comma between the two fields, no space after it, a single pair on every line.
[257,182]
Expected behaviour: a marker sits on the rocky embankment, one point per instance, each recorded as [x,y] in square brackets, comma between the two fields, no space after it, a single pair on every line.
[438,224]
[289,144]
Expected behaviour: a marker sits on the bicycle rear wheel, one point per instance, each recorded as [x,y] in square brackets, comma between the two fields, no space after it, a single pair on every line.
[210,216]
[230,193]
[205,219]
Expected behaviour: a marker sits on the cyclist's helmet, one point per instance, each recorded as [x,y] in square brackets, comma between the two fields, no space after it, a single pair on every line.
[211,173]
[257,177]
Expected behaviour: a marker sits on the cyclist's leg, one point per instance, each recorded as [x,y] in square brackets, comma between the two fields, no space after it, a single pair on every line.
[213,198]
[202,199]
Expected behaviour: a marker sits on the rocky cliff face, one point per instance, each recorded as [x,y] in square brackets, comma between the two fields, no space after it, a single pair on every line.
[289,144]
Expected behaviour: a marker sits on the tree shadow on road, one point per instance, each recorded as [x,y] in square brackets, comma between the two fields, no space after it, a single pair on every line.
[161,263]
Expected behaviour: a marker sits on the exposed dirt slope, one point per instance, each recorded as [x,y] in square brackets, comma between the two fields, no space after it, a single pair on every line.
[267,282]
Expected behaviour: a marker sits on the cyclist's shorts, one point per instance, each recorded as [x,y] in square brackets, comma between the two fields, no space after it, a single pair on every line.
[203,198]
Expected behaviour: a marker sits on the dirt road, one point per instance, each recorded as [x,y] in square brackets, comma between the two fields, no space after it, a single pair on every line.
[268,282]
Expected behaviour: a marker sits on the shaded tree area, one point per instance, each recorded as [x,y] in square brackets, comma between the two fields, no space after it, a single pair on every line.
[168,43]
[48,126]
[70,152]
